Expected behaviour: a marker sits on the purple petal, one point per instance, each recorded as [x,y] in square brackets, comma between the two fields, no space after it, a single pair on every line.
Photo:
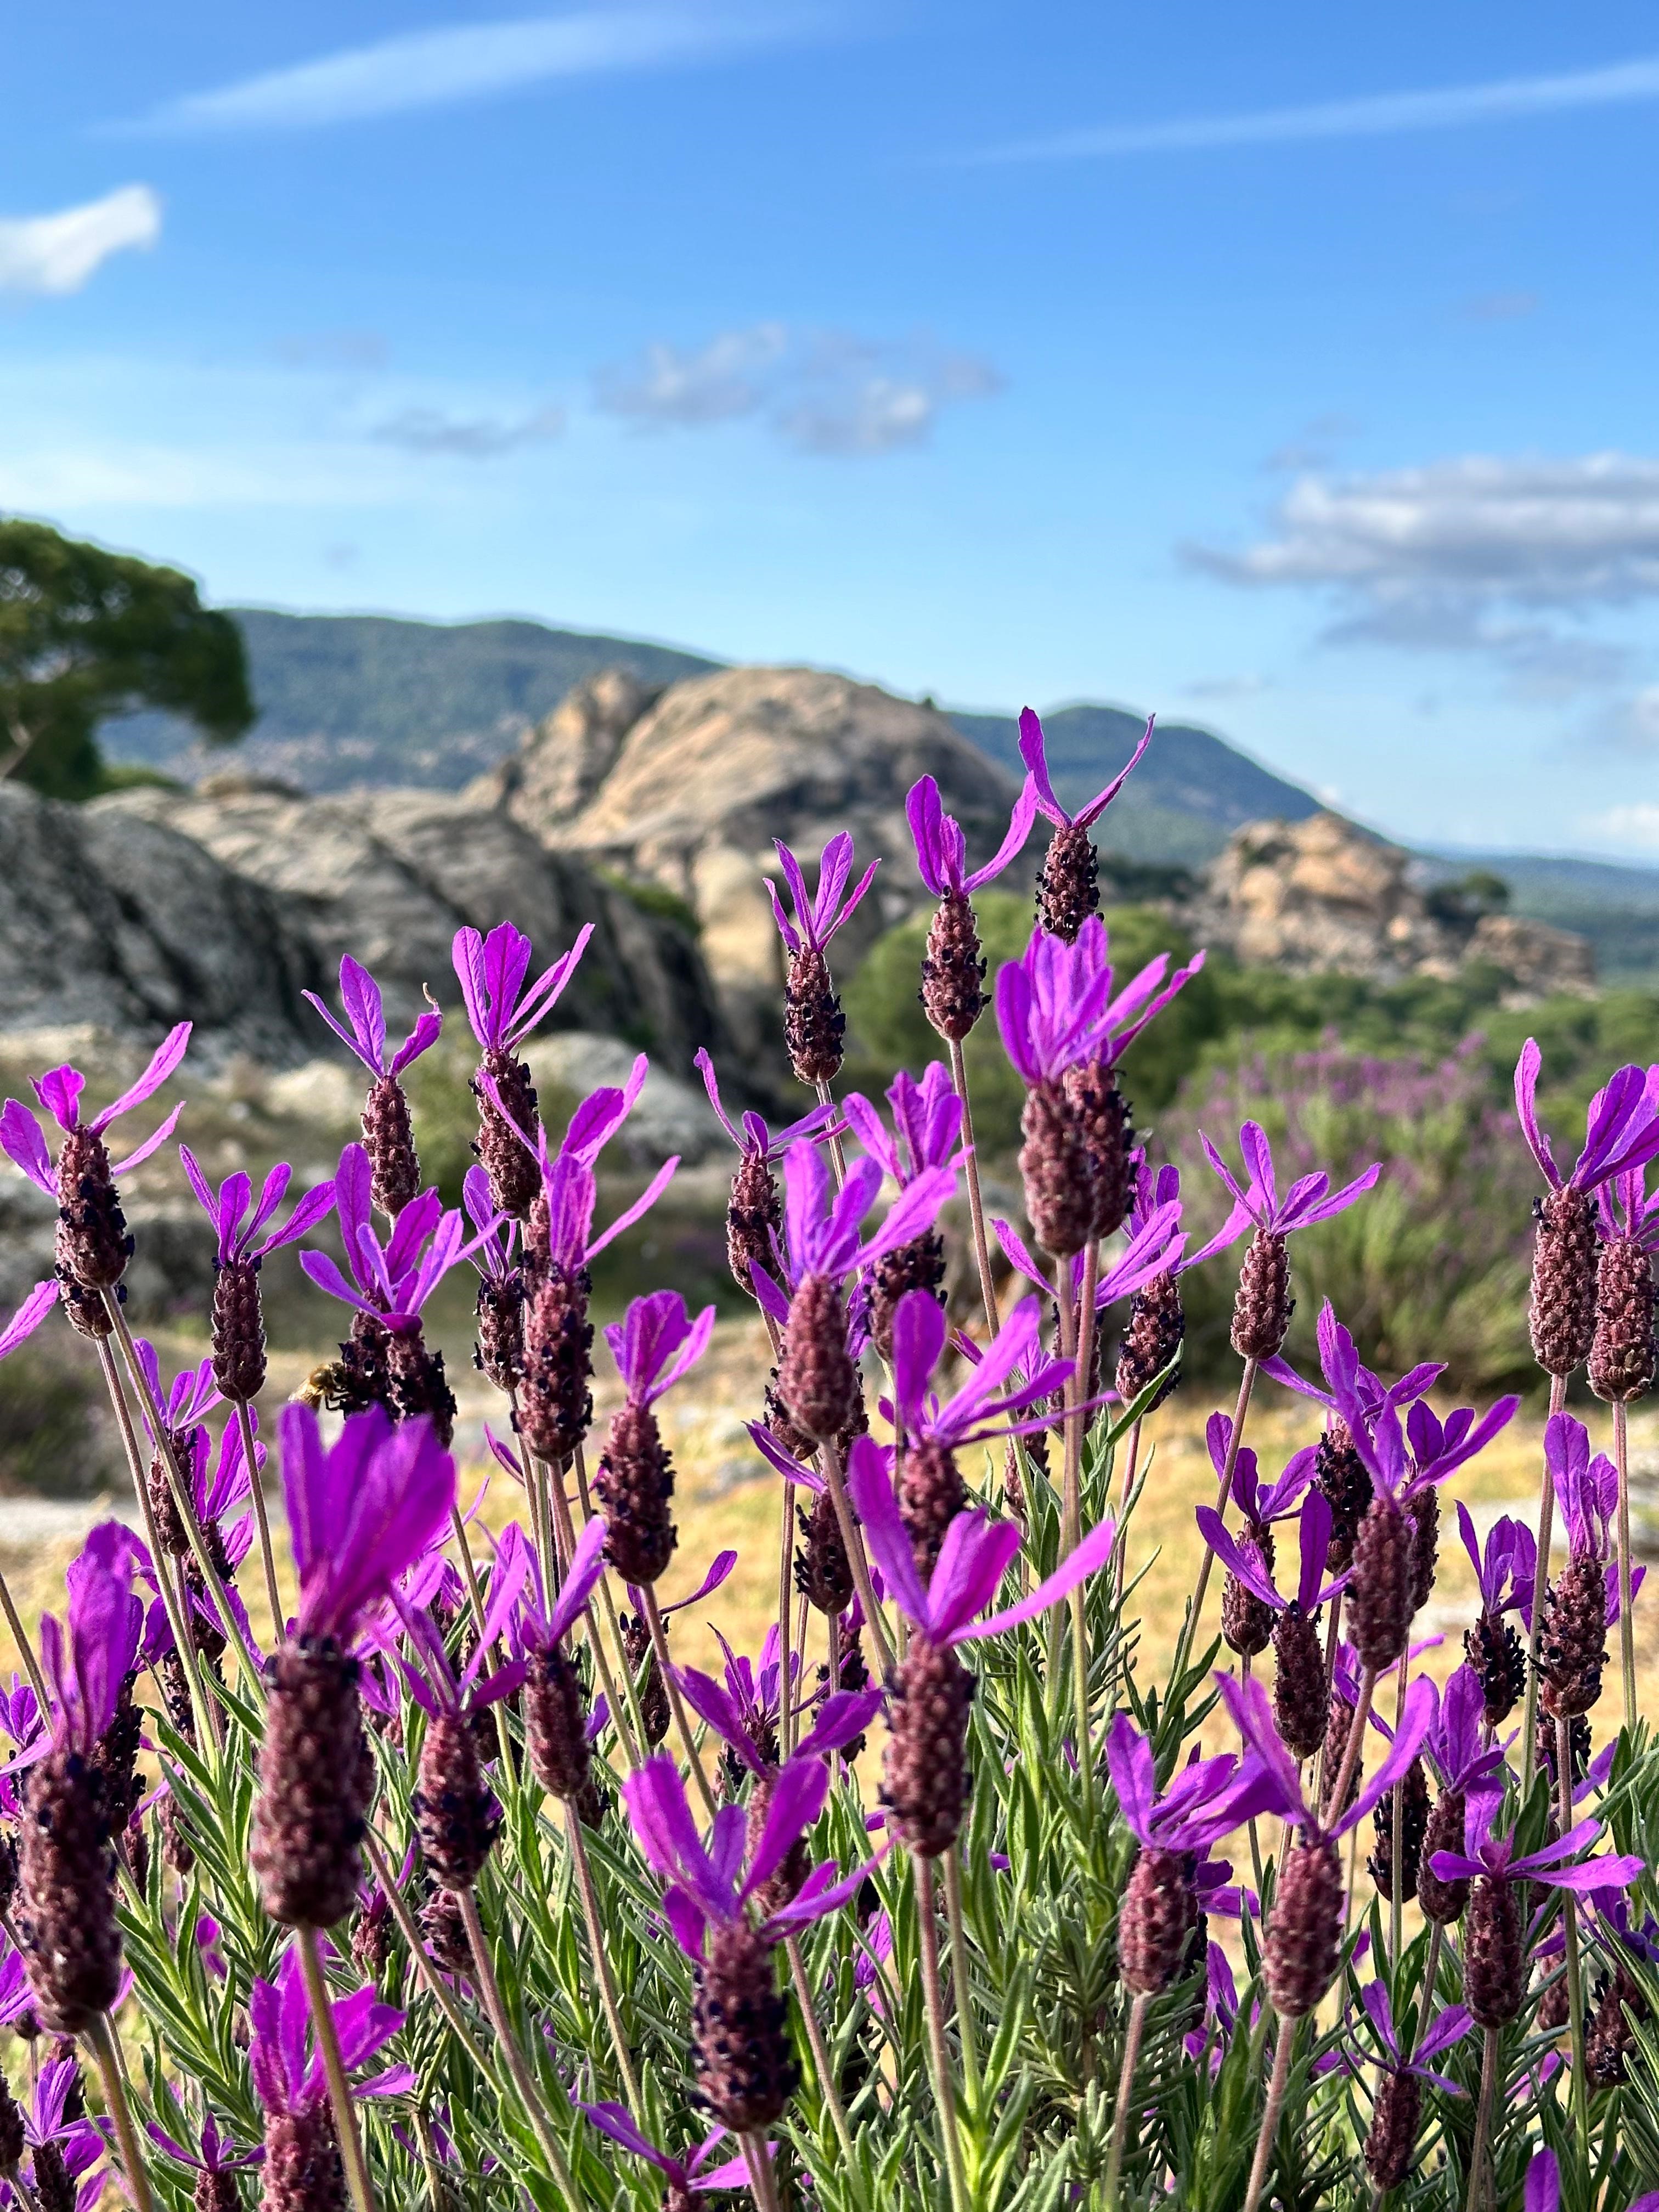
[1243,1562]
[797,1800]
[1338,1200]
[615,2121]
[1421,1704]
[1033,752]
[1090,1554]
[153,1143]
[870,1488]
[1097,805]
[544,993]
[642,1205]
[28,1316]
[1019,829]
[1543,2185]
[1526,1093]
[1129,1761]
[59,1091]
[428,1028]
[25,1145]
[360,995]
[347,1037]
[166,1057]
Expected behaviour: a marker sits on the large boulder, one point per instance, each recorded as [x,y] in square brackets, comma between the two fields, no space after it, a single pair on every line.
[692,794]
[389,876]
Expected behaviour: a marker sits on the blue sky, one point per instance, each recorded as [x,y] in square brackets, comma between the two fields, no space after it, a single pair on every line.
[1290,373]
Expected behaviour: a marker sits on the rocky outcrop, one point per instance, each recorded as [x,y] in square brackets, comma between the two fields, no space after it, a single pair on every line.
[718,766]
[562,762]
[389,877]
[1322,895]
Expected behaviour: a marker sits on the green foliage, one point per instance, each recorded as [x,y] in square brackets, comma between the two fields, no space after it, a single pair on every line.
[654,899]
[86,635]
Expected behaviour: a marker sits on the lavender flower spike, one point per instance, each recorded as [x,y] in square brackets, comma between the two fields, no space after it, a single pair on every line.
[814,1023]
[817,920]
[1252,1714]
[364,1033]
[1033,752]
[289,2080]
[1621,1129]
[237,1232]
[491,972]
[1068,890]
[1257,1203]
[59,1091]
[941,848]
[686,2177]
[360,1513]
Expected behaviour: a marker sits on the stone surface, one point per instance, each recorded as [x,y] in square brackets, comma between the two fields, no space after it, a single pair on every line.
[389,876]
[1323,896]
[564,760]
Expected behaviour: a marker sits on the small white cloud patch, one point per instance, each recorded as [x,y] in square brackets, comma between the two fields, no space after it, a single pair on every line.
[57,253]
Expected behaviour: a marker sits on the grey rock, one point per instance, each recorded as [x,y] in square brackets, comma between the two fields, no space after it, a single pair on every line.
[563,761]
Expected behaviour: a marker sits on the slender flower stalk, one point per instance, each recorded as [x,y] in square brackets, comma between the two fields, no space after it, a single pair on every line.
[1622,1361]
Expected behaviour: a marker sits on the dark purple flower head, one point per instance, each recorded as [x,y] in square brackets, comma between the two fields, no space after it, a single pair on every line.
[941,848]
[1207,1799]
[491,972]
[753,1135]
[1402,1460]
[1244,1562]
[84,1663]
[1586,1489]
[707,1880]
[1154,1247]
[1056,1007]
[1496,1855]
[656,1343]
[362,1512]
[990,1403]
[1453,1746]
[1260,1505]
[365,1037]
[1624,1197]
[1505,1571]
[288,2073]
[593,1124]
[821,1228]
[1033,753]
[59,1091]
[1446,2028]
[1257,1202]
[977,1551]
[817,920]
[391,1280]
[218,2153]
[1621,1130]
[926,1124]
[228,1209]
[1253,1715]
[434,1684]
[692,2176]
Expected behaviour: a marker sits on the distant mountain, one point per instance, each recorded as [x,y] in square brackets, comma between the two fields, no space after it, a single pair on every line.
[348,700]
[1616,908]
[1183,802]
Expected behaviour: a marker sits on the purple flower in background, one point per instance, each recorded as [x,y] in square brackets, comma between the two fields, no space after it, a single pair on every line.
[29,1315]
[1056,1007]
[1220,2010]
[751,1134]
[538,1626]
[1260,1506]
[656,1343]
[288,2073]
[86,1662]
[1252,1717]
[709,1881]
[572,1197]
[1257,1203]
[218,2153]
[1447,2028]
[188,1399]
[491,972]
[926,1124]
[975,1556]
[1402,1460]
[360,1513]
[228,1209]
[821,1228]
[941,848]
[1244,1562]
[78,2143]
[593,1124]
[744,1712]
[687,2177]
[1453,1746]
[1496,1855]
[1207,1799]
[1033,752]
[1621,1129]
[1341,1361]
[1586,1489]
[365,1037]
[990,1403]
[1154,1247]
[391,1280]
[434,1683]
[1506,1568]
[1625,1194]
[59,1091]
[817,920]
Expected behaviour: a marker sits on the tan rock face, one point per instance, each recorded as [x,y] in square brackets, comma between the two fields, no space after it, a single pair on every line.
[568,756]
[1322,896]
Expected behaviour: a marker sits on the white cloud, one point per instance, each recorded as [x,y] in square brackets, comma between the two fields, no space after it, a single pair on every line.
[1477,553]
[469,61]
[1635,822]
[59,252]
[824,391]
[1379,115]
[475,438]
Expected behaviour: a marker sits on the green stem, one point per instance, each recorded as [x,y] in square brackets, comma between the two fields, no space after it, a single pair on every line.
[975,1202]
[961,1974]
[339,2088]
[31,1664]
[933,1995]
[573,1829]
[1126,2089]
[1189,1626]
[489,1991]
[1482,2120]
[852,1537]
[821,2056]
[1397,1879]
[411,1928]
[1570,1926]
[1271,2111]
[261,1519]
[1626,1603]
[101,2036]
[1539,1583]
[675,1703]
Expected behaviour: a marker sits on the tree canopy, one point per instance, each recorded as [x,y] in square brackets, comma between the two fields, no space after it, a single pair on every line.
[87,634]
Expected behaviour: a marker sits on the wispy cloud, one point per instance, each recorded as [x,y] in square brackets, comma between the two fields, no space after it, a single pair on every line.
[1376,116]
[1635,824]
[475,438]
[472,61]
[59,252]
[821,391]
[1480,553]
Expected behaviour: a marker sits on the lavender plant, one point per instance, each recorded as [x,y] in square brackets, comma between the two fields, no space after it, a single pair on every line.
[469,1891]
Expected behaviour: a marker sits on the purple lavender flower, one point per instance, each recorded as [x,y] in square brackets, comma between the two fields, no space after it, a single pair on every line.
[941,848]
[1621,1130]
[656,1343]
[430,1677]
[1337,1357]
[1257,1204]
[817,920]
[1056,1007]
[752,1134]
[1403,1460]
[1154,1247]
[1208,1798]
[28,1316]
[744,1711]
[59,1091]
[1586,1488]
[926,1124]
[237,1232]
[1244,1562]
[1624,1194]
[289,2077]
[977,1551]
[538,1625]
[218,2153]
[1496,1856]
[821,1228]
[390,1281]
[1447,2028]
[365,1037]
[86,1662]
[491,972]
[65,2150]
[1453,1746]
[360,1513]
[1504,1571]
[1252,1713]
[988,1403]
[1032,751]
[687,2177]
